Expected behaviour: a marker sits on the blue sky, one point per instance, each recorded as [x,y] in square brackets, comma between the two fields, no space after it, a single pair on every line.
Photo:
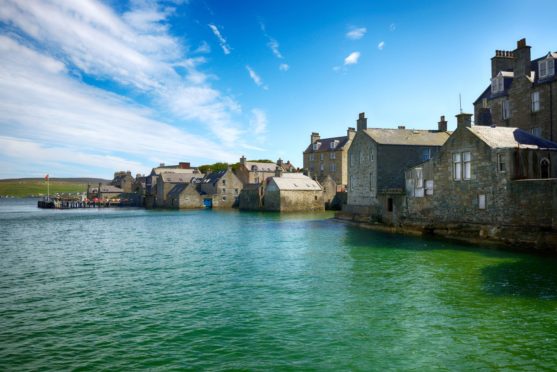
[91,87]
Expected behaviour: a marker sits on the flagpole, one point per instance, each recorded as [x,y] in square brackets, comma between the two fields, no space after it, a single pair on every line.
[48,189]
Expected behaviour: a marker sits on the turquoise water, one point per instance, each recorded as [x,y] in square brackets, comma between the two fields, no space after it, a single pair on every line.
[121,289]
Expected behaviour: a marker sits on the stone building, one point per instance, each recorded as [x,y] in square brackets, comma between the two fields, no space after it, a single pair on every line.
[522,93]
[123,180]
[166,181]
[491,182]
[151,191]
[377,159]
[223,186]
[285,192]
[106,192]
[251,172]
[186,195]
[329,157]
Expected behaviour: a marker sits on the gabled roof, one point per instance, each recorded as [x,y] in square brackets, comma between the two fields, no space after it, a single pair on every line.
[172,177]
[178,189]
[159,170]
[296,181]
[260,167]
[508,137]
[325,144]
[410,137]
[213,177]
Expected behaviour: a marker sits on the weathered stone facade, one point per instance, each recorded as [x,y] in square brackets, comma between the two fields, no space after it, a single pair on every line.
[185,196]
[224,187]
[328,157]
[530,100]
[485,182]
[377,159]
[123,180]
[250,172]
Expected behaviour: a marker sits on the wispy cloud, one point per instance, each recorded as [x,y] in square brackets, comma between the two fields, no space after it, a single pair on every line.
[381,45]
[356,33]
[392,27]
[274,46]
[284,67]
[43,103]
[222,41]
[352,59]
[258,124]
[256,78]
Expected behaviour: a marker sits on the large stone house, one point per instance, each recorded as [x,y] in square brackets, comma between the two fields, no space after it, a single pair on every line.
[166,181]
[186,195]
[329,157]
[492,182]
[223,187]
[251,172]
[151,180]
[522,93]
[123,180]
[377,159]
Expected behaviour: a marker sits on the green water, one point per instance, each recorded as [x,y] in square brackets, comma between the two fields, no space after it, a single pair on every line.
[133,289]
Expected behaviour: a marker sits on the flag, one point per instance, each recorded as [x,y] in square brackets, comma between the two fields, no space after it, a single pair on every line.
[46,177]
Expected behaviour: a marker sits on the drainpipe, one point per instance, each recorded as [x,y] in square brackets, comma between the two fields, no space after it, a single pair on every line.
[551,110]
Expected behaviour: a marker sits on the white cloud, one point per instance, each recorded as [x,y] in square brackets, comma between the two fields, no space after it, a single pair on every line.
[43,102]
[274,46]
[352,59]
[256,78]
[222,41]
[284,67]
[356,33]
[392,27]
[381,45]
[258,122]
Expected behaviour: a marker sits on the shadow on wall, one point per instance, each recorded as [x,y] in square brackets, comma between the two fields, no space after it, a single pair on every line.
[532,277]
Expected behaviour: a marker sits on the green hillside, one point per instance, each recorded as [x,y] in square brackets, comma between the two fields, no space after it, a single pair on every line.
[35,187]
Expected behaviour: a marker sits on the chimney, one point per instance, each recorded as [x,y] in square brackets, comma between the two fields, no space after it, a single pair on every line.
[503,61]
[522,59]
[463,120]
[279,162]
[161,165]
[361,123]
[442,124]
[243,160]
[278,171]
[315,137]
[184,165]
[350,133]
[401,127]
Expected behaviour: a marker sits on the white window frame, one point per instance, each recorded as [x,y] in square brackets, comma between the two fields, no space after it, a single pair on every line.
[333,155]
[333,145]
[457,166]
[506,109]
[546,68]
[316,146]
[467,165]
[535,101]
[482,201]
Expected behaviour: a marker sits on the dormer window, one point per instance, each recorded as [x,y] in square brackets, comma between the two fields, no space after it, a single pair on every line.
[333,144]
[497,84]
[316,146]
[546,67]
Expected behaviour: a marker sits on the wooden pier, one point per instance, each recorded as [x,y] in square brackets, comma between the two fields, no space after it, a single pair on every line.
[73,204]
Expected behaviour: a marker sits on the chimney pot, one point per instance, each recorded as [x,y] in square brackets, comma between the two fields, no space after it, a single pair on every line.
[401,127]
[521,43]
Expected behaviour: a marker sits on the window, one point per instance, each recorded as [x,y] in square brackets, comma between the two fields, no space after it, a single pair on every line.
[321,157]
[544,168]
[535,101]
[321,167]
[224,182]
[352,181]
[429,187]
[333,167]
[536,132]
[224,198]
[236,191]
[333,144]
[466,159]
[419,177]
[333,155]
[506,109]
[311,157]
[481,201]
[371,155]
[353,160]
[223,190]
[426,154]
[316,146]
[501,167]
[370,181]
[390,204]
[457,167]
[497,84]
[547,68]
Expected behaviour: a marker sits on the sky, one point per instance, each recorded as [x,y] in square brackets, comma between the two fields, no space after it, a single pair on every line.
[91,87]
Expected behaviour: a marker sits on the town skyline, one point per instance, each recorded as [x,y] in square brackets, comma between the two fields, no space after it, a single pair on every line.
[89,88]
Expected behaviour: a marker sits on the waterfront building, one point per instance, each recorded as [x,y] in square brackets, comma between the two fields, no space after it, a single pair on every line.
[151,180]
[223,187]
[522,93]
[329,157]
[123,180]
[493,182]
[103,192]
[377,159]
[166,182]
[252,172]
[186,195]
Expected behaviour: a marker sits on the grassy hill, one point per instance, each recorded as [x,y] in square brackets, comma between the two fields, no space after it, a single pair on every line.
[24,187]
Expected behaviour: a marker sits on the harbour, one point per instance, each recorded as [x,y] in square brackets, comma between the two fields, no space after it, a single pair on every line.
[122,288]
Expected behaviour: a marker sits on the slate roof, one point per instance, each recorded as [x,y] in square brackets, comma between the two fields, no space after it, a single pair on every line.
[176,190]
[407,137]
[107,188]
[213,177]
[159,170]
[296,181]
[325,144]
[508,137]
[177,177]
[260,167]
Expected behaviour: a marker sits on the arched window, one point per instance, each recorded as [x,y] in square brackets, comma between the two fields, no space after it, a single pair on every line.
[544,168]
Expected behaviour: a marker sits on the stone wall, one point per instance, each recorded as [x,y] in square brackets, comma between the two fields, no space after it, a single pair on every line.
[294,201]
[189,198]
[362,171]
